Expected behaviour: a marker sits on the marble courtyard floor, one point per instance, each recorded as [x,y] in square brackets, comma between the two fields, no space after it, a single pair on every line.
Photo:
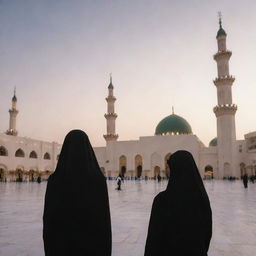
[234,217]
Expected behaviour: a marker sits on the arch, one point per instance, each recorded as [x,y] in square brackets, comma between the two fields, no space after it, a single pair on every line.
[242,169]
[3,172]
[138,165]
[33,154]
[156,171]
[227,171]
[47,156]
[167,169]
[19,173]
[32,174]
[19,153]
[3,151]
[208,171]
[122,165]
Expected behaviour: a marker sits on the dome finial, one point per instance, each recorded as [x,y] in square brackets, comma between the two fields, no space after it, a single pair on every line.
[220,21]
[110,75]
[172,110]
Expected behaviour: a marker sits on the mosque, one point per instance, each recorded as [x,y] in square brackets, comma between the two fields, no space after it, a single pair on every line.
[25,158]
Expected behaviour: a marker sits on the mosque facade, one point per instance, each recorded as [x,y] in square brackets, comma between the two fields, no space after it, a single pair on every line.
[23,158]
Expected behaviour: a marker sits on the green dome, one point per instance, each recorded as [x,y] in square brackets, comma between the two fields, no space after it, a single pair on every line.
[173,124]
[221,32]
[213,142]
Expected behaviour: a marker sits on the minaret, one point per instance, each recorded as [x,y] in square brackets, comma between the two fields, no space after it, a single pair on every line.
[225,110]
[111,115]
[13,113]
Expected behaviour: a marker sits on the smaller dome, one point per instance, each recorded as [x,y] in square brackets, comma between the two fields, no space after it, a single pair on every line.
[213,142]
[221,32]
[110,86]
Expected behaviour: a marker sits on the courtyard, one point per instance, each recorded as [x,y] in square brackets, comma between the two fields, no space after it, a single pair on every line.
[234,217]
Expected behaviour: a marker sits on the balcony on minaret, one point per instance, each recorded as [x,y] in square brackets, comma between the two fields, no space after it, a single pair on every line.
[110,137]
[224,80]
[110,98]
[222,55]
[12,132]
[225,109]
[114,115]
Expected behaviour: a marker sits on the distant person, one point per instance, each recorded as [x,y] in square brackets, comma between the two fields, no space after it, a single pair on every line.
[159,178]
[245,180]
[119,181]
[76,217]
[181,217]
[38,179]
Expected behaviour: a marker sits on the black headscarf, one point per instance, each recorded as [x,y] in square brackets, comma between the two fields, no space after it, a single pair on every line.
[181,217]
[76,211]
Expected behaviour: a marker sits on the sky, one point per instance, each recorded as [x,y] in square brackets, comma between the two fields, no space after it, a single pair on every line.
[59,55]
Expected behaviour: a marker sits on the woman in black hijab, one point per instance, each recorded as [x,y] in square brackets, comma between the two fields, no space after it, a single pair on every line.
[181,217]
[76,211]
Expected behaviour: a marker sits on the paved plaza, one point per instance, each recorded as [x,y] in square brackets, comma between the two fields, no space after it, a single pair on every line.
[234,217]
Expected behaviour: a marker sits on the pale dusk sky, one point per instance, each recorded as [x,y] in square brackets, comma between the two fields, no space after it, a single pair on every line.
[59,55]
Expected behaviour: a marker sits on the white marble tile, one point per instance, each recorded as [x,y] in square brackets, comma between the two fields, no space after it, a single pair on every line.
[234,217]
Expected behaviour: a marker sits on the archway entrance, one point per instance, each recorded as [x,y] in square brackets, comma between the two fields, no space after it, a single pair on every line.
[208,172]
[123,171]
[2,176]
[139,171]
[156,171]
[19,175]
[122,165]
[138,165]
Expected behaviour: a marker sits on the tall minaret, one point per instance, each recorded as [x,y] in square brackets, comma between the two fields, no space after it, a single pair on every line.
[13,113]
[111,115]
[225,110]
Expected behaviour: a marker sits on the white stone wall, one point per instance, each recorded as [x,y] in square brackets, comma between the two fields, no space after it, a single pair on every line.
[152,149]
[27,145]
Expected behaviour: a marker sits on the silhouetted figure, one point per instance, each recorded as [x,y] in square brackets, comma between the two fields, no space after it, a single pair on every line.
[119,181]
[159,178]
[38,180]
[76,211]
[181,217]
[245,180]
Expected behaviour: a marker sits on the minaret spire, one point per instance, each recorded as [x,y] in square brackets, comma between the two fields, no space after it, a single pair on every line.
[220,21]
[13,114]
[225,109]
[111,115]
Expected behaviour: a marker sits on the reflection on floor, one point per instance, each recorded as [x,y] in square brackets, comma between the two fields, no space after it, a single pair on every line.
[234,213]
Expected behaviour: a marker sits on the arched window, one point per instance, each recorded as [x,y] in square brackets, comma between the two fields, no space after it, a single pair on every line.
[3,151]
[33,154]
[19,153]
[47,156]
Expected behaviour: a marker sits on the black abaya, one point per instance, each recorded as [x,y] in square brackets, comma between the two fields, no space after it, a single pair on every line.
[181,218]
[76,212]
